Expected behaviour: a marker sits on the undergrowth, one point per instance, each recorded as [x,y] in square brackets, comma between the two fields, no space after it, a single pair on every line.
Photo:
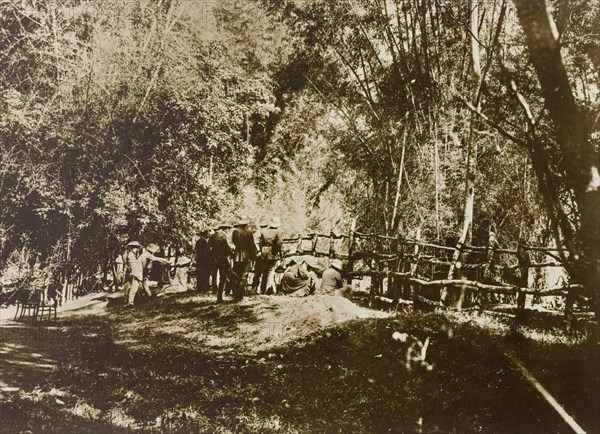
[349,378]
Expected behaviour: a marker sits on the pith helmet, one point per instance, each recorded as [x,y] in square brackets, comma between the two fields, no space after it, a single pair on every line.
[263,222]
[183,260]
[133,244]
[275,222]
[337,264]
[244,220]
[152,248]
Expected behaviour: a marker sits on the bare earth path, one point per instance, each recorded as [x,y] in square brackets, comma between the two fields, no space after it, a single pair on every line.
[30,351]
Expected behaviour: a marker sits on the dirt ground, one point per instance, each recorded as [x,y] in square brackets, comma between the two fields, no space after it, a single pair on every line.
[182,363]
[256,324]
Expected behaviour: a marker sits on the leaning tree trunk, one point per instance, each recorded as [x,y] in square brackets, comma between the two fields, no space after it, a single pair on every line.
[572,134]
[470,178]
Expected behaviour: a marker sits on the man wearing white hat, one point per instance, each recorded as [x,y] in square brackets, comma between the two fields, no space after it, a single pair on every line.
[332,282]
[140,268]
[271,244]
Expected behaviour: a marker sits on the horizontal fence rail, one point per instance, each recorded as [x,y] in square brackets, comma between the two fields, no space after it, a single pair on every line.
[419,264]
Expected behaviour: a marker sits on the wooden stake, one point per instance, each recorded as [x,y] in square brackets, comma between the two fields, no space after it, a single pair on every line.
[351,249]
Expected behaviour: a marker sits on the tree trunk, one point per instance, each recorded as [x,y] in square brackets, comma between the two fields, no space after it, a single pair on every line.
[572,134]
[394,223]
[437,188]
[469,197]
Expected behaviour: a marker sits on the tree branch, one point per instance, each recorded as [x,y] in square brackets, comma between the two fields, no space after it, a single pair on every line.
[499,128]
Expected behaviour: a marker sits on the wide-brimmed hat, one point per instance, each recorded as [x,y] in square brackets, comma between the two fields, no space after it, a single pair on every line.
[203,230]
[337,264]
[183,260]
[275,222]
[263,221]
[152,248]
[224,226]
[133,244]
[244,220]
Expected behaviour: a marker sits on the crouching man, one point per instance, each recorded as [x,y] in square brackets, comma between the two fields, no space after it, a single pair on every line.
[297,281]
[332,282]
[179,283]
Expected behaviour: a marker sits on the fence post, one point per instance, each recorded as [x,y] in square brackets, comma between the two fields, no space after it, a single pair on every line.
[315,240]
[522,275]
[332,236]
[380,276]
[454,265]
[351,250]
[399,267]
[488,271]
[417,251]
[414,291]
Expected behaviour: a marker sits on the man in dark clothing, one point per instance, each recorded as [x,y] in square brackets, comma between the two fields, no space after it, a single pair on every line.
[258,264]
[203,267]
[296,280]
[212,241]
[221,253]
[271,244]
[245,253]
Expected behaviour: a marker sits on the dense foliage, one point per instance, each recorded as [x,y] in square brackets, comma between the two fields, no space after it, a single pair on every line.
[128,119]
[148,119]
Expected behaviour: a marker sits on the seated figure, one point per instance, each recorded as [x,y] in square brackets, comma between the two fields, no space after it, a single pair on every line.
[296,280]
[332,282]
[179,283]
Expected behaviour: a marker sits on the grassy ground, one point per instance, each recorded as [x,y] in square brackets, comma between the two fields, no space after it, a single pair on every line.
[185,364]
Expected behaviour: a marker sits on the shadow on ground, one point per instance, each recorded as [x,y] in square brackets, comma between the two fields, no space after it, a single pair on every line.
[157,368]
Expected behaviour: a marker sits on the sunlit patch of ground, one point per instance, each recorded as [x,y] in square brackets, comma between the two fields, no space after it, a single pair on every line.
[317,364]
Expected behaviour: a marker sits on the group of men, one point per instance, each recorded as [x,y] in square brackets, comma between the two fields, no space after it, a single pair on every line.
[300,279]
[147,270]
[225,255]
[224,260]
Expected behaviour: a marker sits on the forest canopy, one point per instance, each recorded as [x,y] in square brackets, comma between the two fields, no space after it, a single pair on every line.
[150,119]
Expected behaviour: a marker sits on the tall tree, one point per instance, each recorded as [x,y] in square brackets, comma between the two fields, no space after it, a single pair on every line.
[472,149]
[572,135]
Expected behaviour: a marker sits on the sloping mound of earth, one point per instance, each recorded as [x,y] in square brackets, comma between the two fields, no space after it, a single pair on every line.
[182,363]
[256,324]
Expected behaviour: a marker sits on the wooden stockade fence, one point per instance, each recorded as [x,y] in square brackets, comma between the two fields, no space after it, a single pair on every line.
[408,270]
[411,271]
